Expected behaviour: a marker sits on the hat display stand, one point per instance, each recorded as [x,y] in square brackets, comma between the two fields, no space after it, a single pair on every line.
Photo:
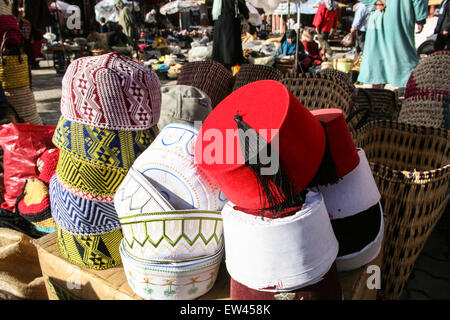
[411,167]
[322,91]
[209,76]
[253,72]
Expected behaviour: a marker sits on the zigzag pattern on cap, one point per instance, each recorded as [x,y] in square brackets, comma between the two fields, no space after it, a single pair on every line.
[112,92]
[95,252]
[111,148]
[79,216]
[88,177]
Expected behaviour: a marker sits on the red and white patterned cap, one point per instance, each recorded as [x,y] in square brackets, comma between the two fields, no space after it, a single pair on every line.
[111,91]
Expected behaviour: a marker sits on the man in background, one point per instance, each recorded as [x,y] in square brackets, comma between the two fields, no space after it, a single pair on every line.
[443,27]
[359,25]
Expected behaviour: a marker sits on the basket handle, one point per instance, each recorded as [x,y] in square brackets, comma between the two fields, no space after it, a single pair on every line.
[2,46]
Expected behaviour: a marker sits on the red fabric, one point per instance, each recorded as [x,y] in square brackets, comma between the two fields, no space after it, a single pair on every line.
[23,144]
[325,20]
[313,51]
[339,139]
[264,105]
[47,164]
[9,22]
[327,289]
[283,214]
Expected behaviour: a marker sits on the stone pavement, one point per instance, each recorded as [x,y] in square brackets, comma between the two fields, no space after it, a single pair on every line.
[430,279]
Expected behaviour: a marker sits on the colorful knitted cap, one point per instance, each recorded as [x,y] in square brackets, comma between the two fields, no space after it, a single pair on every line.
[112,92]
[47,163]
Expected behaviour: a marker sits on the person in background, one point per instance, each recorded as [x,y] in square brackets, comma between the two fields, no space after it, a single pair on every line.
[289,47]
[359,25]
[443,27]
[126,20]
[308,9]
[103,28]
[262,28]
[227,43]
[311,47]
[389,54]
[326,21]
[118,38]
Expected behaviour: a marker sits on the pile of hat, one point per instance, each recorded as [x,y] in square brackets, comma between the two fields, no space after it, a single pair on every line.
[427,94]
[169,210]
[110,107]
[34,202]
[14,70]
[286,171]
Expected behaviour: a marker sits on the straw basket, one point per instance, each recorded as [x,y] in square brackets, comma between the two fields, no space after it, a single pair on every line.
[426,112]
[251,72]
[23,102]
[5,7]
[411,167]
[344,77]
[431,77]
[322,91]
[14,71]
[375,104]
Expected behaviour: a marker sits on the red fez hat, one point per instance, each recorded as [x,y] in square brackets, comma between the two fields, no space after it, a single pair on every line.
[339,140]
[293,137]
[328,288]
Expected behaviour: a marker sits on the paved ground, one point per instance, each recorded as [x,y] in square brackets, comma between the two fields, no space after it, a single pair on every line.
[431,276]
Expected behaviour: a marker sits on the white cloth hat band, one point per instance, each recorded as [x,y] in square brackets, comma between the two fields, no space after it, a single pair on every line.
[184,280]
[364,256]
[280,254]
[354,193]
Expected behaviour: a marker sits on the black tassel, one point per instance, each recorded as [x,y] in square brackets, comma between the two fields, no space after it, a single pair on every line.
[276,192]
[327,173]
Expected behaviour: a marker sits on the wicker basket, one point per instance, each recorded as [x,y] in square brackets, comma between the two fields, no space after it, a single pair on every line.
[426,112]
[322,91]
[5,7]
[411,166]
[23,102]
[14,71]
[251,72]
[375,104]
[209,76]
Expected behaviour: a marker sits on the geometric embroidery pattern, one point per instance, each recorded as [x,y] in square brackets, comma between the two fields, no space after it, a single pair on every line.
[88,177]
[112,92]
[94,252]
[79,216]
[110,148]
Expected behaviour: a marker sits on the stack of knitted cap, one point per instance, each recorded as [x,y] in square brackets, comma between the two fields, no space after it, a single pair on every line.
[353,203]
[427,94]
[264,150]
[170,211]
[110,107]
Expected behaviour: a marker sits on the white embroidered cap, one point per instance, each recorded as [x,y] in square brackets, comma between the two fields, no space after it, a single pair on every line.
[154,230]
[111,91]
[280,254]
[168,163]
[183,280]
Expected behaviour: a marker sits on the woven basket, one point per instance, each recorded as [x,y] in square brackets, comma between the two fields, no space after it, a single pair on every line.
[411,166]
[375,104]
[426,112]
[344,77]
[23,102]
[251,72]
[322,91]
[209,76]
[431,77]
[14,71]
[5,7]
